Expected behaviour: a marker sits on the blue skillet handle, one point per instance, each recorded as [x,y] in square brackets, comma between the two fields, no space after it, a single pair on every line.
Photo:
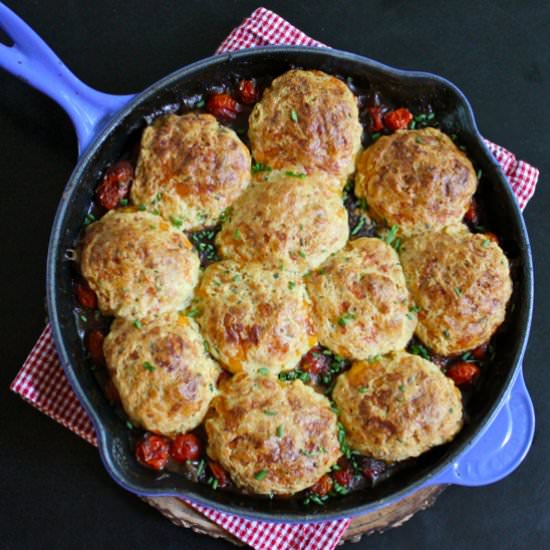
[502,448]
[31,60]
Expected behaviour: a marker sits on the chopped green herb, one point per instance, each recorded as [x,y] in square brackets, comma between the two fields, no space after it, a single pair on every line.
[262,474]
[302,253]
[458,291]
[344,319]
[485,243]
[479,174]
[237,234]
[142,208]
[293,116]
[226,215]
[123,202]
[213,482]
[200,467]
[344,447]
[362,389]
[446,333]
[363,204]
[374,358]
[275,275]
[148,366]
[419,140]
[339,489]
[270,413]
[415,309]
[401,388]
[200,104]
[129,425]
[259,167]
[264,371]
[137,323]
[419,349]
[280,431]
[291,285]
[467,356]
[292,174]
[359,226]
[375,136]
[193,312]
[206,346]
[176,222]
[391,234]
[83,318]
[89,218]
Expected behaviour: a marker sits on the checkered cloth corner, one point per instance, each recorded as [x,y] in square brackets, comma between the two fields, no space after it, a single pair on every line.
[42,382]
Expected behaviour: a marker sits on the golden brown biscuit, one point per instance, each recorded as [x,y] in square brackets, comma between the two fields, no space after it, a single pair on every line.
[190,169]
[294,221]
[461,283]
[162,372]
[138,264]
[254,317]
[397,407]
[307,121]
[272,437]
[415,179]
[361,304]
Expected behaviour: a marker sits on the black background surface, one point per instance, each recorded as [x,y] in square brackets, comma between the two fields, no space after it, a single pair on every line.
[54,492]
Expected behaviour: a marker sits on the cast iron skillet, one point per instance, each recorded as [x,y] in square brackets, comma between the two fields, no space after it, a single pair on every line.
[411,89]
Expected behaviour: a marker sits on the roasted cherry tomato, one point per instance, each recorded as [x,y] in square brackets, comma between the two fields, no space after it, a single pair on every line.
[376,118]
[223,106]
[94,344]
[323,486]
[185,447]
[398,119]
[372,469]
[219,473]
[471,215]
[85,295]
[248,92]
[153,451]
[115,185]
[463,372]
[480,352]
[314,361]
[344,476]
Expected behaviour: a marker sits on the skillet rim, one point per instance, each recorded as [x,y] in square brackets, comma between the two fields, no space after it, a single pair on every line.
[54,298]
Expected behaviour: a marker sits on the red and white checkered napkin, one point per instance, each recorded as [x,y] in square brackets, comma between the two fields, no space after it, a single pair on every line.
[41,381]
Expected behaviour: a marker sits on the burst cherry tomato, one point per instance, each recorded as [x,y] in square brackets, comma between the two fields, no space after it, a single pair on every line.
[344,476]
[323,486]
[85,295]
[185,447]
[376,118]
[115,185]
[314,361]
[153,451]
[463,372]
[94,345]
[480,352]
[223,106]
[248,93]
[471,215]
[398,119]
[219,473]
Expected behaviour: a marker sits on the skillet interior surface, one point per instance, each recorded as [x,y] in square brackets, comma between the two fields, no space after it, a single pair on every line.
[409,89]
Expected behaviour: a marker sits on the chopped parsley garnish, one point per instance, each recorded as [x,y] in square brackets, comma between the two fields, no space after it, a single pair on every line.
[344,319]
[262,474]
[415,309]
[237,234]
[292,174]
[200,467]
[339,489]
[390,237]
[359,226]
[375,136]
[89,218]
[485,243]
[270,413]
[291,285]
[344,447]
[137,323]
[302,253]
[193,312]
[123,202]
[200,104]
[468,357]
[264,371]
[142,208]
[419,349]
[458,291]
[280,431]
[363,389]
[401,388]
[148,366]
[293,116]
[83,318]
[213,482]
[295,374]
[176,222]
[259,167]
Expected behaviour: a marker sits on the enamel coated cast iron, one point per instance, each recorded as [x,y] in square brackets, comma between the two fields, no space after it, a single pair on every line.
[500,430]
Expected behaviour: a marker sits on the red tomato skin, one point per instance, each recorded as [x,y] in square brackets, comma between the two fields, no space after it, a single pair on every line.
[343,477]
[223,106]
[398,119]
[85,296]
[323,486]
[115,185]
[219,473]
[94,345]
[471,215]
[314,362]
[463,372]
[248,92]
[185,447]
[376,118]
[153,451]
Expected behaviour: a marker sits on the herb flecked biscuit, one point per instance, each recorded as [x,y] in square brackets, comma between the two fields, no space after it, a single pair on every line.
[138,264]
[190,169]
[162,372]
[360,301]
[307,121]
[273,437]
[418,180]
[283,219]
[254,317]
[461,283]
[397,407]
